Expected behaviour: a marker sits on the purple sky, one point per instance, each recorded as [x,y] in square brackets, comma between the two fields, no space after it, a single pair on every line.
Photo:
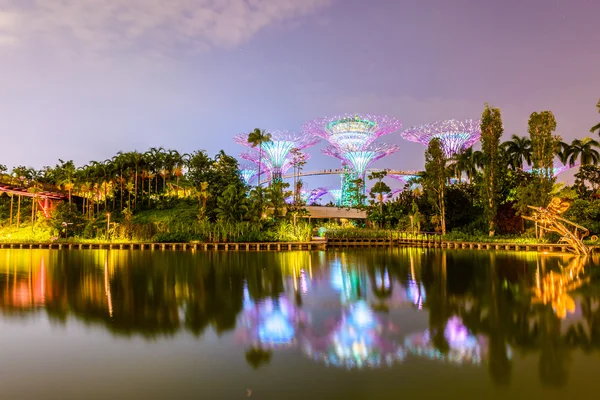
[83,79]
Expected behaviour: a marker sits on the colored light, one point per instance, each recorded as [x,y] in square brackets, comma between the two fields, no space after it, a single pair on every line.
[352,132]
[454,135]
[276,329]
[557,169]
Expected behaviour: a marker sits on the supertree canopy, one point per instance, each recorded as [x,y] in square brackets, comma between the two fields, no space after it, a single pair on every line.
[248,173]
[278,151]
[352,132]
[336,194]
[309,197]
[455,136]
[361,159]
[270,171]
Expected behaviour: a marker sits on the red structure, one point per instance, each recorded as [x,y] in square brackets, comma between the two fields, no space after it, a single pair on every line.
[46,199]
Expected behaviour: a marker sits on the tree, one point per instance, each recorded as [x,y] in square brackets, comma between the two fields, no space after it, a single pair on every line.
[491,131]
[543,146]
[258,138]
[380,188]
[232,204]
[434,179]
[518,151]
[543,143]
[298,161]
[585,151]
[596,128]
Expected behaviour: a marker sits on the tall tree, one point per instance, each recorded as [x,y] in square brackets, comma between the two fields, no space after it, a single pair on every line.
[491,131]
[543,146]
[596,128]
[518,151]
[585,151]
[380,188]
[434,179]
[257,138]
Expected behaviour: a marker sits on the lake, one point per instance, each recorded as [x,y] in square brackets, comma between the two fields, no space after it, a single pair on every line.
[384,323]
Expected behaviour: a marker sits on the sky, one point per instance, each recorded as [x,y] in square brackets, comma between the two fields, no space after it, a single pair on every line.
[83,79]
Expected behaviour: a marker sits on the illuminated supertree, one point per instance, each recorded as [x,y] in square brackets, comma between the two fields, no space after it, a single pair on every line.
[455,136]
[248,173]
[268,167]
[351,138]
[352,132]
[557,169]
[309,197]
[276,153]
[359,161]
[337,196]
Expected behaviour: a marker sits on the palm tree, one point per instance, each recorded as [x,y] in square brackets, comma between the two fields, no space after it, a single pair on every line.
[585,151]
[518,150]
[258,138]
[563,151]
[597,126]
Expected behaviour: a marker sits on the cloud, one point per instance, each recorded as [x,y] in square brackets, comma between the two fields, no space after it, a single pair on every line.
[158,25]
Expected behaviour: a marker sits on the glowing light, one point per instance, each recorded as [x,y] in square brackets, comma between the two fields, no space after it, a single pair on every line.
[360,160]
[361,316]
[455,136]
[276,329]
[352,132]
[403,178]
[337,195]
[276,154]
[248,174]
[557,169]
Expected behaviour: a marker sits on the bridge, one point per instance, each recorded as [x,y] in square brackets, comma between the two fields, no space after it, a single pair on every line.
[45,198]
[341,171]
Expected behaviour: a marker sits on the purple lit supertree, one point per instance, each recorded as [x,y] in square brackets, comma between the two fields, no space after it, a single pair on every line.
[248,173]
[351,138]
[557,169]
[309,197]
[455,136]
[269,174]
[276,153]
[352,132]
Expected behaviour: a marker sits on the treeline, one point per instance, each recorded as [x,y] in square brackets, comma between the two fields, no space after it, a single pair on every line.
[204,198]
[486,191]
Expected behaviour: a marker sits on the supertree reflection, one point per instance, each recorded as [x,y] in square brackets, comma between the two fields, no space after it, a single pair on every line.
[360,338]
[464,347]
[270,322]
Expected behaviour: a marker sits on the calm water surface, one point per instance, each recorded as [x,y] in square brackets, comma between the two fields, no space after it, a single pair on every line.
[364,324]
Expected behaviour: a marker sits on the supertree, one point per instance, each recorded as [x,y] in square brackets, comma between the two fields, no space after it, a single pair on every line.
[269,174]
[277,151]
[248,173]
[359,161]
[352,132]
[350,137]
[455,136]
[309,197]
[337,196]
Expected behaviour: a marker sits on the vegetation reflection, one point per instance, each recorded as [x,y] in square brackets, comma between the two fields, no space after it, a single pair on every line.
[343,309]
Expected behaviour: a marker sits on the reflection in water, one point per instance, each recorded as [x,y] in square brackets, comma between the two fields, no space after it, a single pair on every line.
[464,347]
[553,287]
[343,309]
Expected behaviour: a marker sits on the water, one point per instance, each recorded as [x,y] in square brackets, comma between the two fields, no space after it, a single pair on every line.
[351,324]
